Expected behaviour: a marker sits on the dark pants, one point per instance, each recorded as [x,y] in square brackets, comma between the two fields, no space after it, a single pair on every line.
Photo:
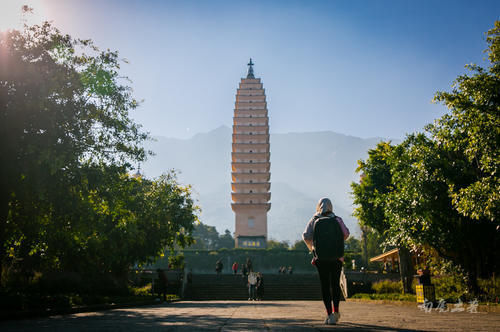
[163,292]
[251,292]
[329,275]
[260,292]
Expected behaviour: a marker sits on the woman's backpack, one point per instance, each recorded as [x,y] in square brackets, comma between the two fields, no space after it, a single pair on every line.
[328,239]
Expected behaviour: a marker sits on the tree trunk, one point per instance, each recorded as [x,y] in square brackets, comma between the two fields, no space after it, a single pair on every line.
[364,238]
[406,269]
[472,285]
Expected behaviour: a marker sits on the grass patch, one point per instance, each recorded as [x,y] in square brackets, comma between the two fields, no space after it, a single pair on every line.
[386,296]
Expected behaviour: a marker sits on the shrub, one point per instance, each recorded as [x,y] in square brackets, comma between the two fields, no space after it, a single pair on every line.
[387,286]
[449,287]
[354,287]
[491,289]
[141,291]
[60,282]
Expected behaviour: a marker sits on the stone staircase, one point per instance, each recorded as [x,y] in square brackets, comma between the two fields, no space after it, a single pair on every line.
[234,287]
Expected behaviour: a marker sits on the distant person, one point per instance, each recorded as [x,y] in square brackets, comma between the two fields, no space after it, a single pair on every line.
[163,284]
[424,276]
[324,235]
[244,270]
[188,290]
[235,268]
[260,286]
[218,267]
[252,285]
[290,269]
[249,265]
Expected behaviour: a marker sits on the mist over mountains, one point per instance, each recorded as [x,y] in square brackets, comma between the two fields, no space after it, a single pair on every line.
[304,168]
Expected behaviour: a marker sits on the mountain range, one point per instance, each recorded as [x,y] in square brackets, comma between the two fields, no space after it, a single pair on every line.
[304,168]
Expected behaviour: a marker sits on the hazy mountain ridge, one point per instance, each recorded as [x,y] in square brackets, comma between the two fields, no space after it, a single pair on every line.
[304,167]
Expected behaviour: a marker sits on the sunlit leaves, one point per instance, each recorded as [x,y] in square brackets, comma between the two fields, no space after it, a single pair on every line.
[66,200]
[441,188]
[140,219]
[472,131]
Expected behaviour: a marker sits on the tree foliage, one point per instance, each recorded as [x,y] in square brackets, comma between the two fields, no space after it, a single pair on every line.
[300,245]
[470,133]
[207,237]
[67,202]
[440,188]
[226,240]
[275,244]
[371,197]
[376,182]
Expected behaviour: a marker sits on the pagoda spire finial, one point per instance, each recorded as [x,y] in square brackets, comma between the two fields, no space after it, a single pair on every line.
[138,173]
[250,69]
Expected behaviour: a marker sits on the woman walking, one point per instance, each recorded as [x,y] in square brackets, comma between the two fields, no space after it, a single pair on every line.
[324,236]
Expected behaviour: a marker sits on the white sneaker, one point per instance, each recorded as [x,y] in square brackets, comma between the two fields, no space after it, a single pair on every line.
[337,316]
[331,320]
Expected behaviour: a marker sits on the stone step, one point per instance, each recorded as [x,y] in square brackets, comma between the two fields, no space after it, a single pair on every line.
[203,278]
[276,287]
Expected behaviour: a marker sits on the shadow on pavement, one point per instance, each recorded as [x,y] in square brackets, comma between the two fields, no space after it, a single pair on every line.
[183,319]
[347,326]
[232,304]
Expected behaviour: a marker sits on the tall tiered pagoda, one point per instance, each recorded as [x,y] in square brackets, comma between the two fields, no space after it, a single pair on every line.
[250,163]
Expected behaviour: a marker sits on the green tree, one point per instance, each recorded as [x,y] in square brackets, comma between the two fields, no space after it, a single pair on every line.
[370,198]
[129,221]
[66,200]
[300,245]
[60,108]
[353,244]
[372,244]
[376,183]
[226,240]
[444,185]
[274,244]
[205,237]
[422,210]
[471,131]
[462,168]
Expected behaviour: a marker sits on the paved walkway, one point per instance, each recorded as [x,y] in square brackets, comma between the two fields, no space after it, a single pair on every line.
[260,316]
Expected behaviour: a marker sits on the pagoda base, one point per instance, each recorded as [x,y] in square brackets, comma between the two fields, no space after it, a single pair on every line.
[251,223]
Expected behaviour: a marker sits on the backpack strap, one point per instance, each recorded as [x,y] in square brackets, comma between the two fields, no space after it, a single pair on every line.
[316,217]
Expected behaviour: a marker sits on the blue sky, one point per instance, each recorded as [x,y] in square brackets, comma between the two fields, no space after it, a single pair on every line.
[362,68]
